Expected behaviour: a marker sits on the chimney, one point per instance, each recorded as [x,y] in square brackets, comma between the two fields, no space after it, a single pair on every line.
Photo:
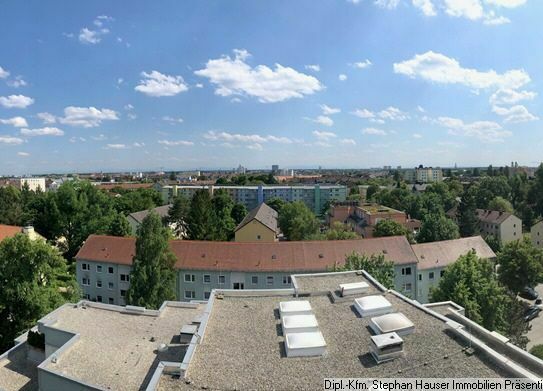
[28,230]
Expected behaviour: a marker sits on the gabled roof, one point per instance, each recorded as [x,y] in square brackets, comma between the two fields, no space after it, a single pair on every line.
[8,231]
[441,254]
[263,214]
[492,216]
[254,256]
[162,211]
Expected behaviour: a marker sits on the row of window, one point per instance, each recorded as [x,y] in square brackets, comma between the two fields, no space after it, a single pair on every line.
[192,295]
[110,270]
[86,281]
[100,299]
[221,279]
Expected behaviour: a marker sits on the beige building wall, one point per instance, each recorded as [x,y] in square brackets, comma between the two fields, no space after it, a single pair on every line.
[536,233]
[510,229]
[254,231]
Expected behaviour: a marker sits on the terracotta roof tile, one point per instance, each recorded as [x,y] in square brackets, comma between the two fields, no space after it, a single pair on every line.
[7,231]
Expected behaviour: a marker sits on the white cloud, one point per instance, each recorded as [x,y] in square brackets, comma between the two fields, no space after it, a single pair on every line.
[255,147]
[17,82]
[491,19]
[116,146]
[244,138]
[76,139]
[86,117]
[313,67]
[470,9]
[388,4]
[172,119]
[362,64]
[509,97]
[138,145]
[233,76]
[10,140]
[100,137]
[157,84]
[128,107]
[324,120]
[347,141]
[374,132]
[23,154]
[506,3]
[342,77]
[170,143]
[438,68]
[3,73]
[421,109]
[327,110]
[47,131]
[515,114]
[390,113]
[16,101]
[199,85]
[18,122]
[485,131]
[47,118]
[426,6]
[363,113]
[91,37]
[417,135]
[323,135]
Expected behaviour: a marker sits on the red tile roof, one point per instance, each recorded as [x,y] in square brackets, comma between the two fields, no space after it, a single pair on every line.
[233,256]
[7,231]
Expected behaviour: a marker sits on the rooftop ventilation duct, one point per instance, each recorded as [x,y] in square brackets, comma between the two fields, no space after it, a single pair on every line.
[353,288]
[386,347]
[299,324]
[372,305]
[305,344]
[298,307]
[389,323]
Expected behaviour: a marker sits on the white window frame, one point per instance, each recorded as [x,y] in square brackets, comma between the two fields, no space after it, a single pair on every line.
[98,282]
[85,279]
[85,266]
[110,286]
[112,270]
[191,296]
[98,268]
[204,279]
[268,280]
[208,293]
[404,287]
[287,280]
[126,277]
[192,277]
[219,279]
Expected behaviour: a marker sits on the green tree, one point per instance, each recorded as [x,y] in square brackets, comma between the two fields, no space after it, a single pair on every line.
[200,218]
[493,242]
[223,224]
[466,214]
[152,280]
[340,231]
[537,351]
[119,226]
[500,204]
[131,201]
[276,203]
[520,265]
[436,227]
[371,191]
[35,281]
[376,265]
[297,221]
[239,211]
[472,283]
[10,206]
[178,215]
[391,228]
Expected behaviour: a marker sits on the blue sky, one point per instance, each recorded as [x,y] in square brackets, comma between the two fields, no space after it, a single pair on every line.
[139,85]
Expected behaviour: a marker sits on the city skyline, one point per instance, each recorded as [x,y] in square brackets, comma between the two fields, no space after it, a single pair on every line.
[359,83]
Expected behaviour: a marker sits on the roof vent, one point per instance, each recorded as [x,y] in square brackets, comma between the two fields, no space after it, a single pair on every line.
[353,288]
[386,347]
[385,251]
[299,307]
[321,255]
[299,324]
[372,306]
[305,344]
[274,256]
[389,323]
[203,255]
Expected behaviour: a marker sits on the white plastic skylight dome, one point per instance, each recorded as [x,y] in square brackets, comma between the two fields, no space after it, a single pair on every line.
[305,344]
[299,323]
[372,305]
[396,322]
[298,307]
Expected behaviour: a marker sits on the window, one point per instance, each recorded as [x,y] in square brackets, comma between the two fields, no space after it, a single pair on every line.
[110,300]
[514,234]
[254,280]
[431,275]
[190,278]
[221,279]
[110,286]
[86,296]
[125,277]
[85,266]
[98,283]
[406,271]
[420,277]
[85,281]
[286,280]
[206,295]
[98,268]
[258,237]
[269,280]
[407,287]
[207,278]
[190,294]
[99,299]
[123,293]
[110,270]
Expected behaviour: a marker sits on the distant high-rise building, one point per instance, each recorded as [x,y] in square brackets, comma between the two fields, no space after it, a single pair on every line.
[275,168]
[423,174]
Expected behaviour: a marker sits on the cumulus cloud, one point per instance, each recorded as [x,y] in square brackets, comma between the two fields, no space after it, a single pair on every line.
[347,141]
[374,132]
[438,68]
[362,64]
[3,73]
[363,113]
[426,6]
[17,82]
[47,118]
[255,147]
[244,138]
[16,101]
[94,35]
[313,67]
[509,97]
[485,131]
[157,84]
[175,143]
[515,114]
[324,135]
[388,4]
[324,120]
[172,120]
[342,77]
[18,122]
[327,110]
[10,140]
[23,154]
[391,113]
[87,117]
[47,131]
[506,3]
[233,76]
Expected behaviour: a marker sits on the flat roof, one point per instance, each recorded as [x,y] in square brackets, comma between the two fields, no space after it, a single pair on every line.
[117,350]
[18,373]
[378,209]
[243,345]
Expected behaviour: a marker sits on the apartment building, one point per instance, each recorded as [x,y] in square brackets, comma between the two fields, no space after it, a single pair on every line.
[536,234]
[33,183]
[260,225]
[135,219]
[314,196]
[423,175]
[504,226]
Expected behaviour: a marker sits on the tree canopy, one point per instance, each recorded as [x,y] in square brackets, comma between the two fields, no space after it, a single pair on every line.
[297,221]
[391,228]
[376,265]
[520,265]
[436,227]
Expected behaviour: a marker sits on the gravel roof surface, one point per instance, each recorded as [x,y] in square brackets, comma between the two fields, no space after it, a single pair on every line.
[243,348]
[115,350]
[17,373]
[329,282]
